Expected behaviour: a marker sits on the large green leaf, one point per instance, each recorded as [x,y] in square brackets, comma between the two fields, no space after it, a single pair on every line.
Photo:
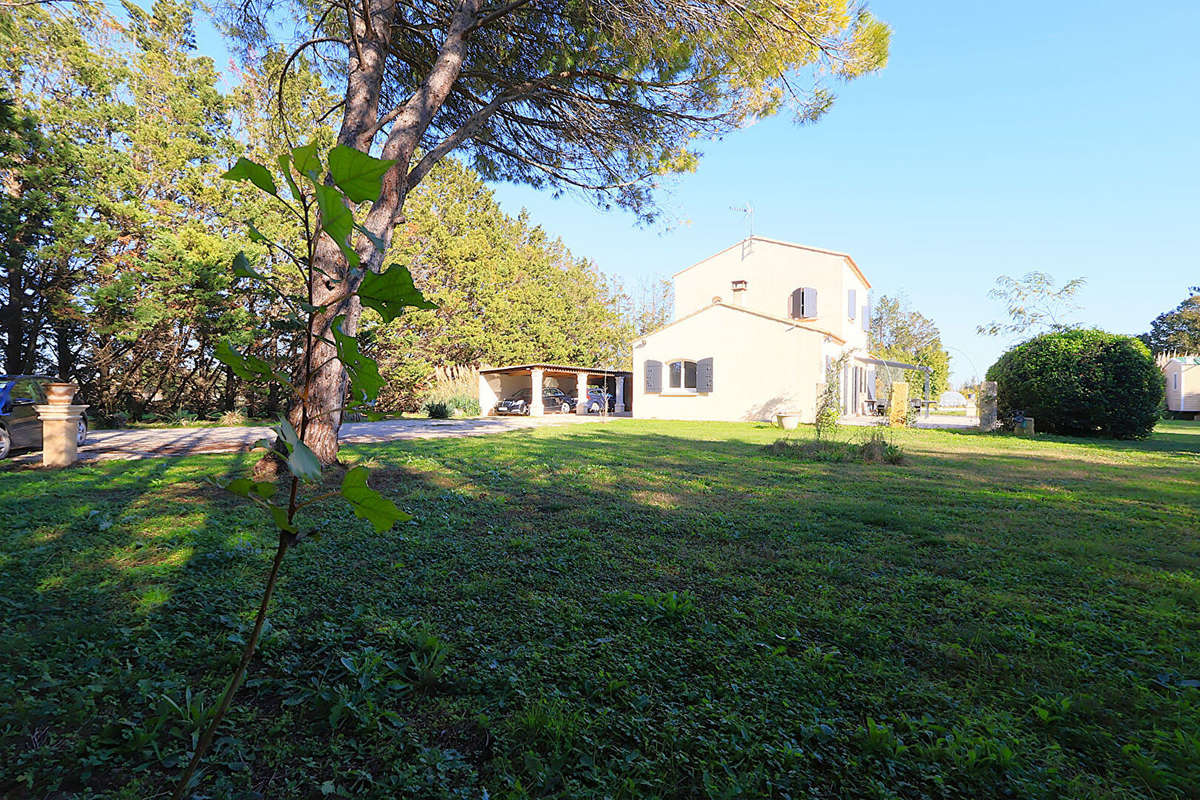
[307,162]
[249,368]
[285,166]
[336,219]
[242,268]
[375,240]
[255,234]
[369,504]
[359,175]
[280,516]
[365,380]
[246,170]
[391,291]
[301,460]
[244,487]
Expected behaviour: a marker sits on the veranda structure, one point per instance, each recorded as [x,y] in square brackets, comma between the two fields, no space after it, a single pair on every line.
[498,383]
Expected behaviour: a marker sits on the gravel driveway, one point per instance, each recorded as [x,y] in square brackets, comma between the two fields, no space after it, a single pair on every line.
[151,442]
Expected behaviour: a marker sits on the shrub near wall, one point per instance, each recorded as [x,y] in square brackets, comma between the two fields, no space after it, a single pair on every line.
[1081,382]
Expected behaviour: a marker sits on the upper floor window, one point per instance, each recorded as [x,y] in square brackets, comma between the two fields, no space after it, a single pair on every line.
[682,375]
[852,304]
[802,304]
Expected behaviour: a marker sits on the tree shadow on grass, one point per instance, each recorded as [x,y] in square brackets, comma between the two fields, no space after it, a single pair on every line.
[821,595]
[99,596]
[538,544]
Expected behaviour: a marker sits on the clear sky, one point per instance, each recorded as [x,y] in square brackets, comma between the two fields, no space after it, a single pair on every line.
[1001,138]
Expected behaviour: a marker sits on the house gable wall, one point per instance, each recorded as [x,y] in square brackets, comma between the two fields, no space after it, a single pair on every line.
[772,271]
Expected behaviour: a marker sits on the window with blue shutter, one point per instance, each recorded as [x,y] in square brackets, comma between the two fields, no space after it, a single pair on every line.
[866,316]
[851,305]
[704,375]
[653,377]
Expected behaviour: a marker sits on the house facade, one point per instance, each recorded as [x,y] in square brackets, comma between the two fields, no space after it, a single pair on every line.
[754,329]
[1182,374]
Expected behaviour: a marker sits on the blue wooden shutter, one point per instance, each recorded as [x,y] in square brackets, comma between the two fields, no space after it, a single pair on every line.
[653,376]
[704,375]
[795,300]
[866,316]
[809,303]
[851,306]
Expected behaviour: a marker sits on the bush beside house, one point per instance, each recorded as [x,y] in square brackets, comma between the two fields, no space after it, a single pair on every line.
[1081,382]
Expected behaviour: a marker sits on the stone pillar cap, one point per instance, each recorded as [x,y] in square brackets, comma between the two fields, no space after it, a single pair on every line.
[54,411]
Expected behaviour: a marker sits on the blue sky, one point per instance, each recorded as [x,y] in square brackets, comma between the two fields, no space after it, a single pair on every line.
[1001,138]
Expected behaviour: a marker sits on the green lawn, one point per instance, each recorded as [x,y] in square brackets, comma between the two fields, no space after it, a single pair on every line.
[635,609]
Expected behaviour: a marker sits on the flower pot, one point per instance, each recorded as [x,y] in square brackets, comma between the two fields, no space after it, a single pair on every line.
[60,394]
[788,420]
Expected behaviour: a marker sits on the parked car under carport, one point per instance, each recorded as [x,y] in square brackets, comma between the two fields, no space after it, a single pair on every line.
[553,401]
[500,384]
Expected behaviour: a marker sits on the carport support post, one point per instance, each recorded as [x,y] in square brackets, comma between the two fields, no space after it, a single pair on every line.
[620,399]
[60,427]
[581,396]
[926,404]
[487,396]
[537,378]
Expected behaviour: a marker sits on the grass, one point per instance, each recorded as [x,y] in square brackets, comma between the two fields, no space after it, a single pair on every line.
[636,609]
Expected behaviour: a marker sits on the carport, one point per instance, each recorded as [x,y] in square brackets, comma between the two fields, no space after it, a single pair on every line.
[498,383]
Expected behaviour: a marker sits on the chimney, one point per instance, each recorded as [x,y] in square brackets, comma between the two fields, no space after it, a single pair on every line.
[739,292]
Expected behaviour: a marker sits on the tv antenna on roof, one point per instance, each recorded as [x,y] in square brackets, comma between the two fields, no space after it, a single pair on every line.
[749,212]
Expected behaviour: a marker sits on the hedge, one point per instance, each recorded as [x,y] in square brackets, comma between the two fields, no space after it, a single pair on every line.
[1081,382]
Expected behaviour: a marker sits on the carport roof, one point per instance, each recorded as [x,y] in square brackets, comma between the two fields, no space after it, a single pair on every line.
[514,368]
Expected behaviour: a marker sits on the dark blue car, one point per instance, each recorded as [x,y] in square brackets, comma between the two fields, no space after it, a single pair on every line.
[20,427]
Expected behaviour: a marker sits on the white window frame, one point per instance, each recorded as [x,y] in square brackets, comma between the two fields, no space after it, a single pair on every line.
[682,388]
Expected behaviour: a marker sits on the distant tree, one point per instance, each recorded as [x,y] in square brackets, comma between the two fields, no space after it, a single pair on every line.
[1033,304]
[38,180]
[1178,330]
[603,96]
[653,305]
[898,333]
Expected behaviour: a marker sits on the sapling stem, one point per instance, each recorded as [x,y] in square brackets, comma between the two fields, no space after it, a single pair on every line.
[285,541]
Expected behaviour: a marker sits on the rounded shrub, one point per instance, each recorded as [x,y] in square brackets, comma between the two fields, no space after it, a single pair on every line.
[1081,382]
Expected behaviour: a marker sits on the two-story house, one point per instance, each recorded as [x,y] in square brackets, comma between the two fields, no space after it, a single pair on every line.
[754,330]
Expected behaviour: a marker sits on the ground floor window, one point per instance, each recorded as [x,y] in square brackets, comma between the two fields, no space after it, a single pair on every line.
[682,375]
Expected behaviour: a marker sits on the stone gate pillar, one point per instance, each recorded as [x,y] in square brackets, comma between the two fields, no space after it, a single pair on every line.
[987,406]
[60,427]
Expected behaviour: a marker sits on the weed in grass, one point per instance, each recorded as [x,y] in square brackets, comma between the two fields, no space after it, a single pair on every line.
[234,418]
[878,448]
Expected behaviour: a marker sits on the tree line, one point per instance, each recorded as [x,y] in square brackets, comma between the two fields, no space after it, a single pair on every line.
[118,232]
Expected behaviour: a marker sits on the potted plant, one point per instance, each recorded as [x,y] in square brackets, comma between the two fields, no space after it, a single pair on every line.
[788,420]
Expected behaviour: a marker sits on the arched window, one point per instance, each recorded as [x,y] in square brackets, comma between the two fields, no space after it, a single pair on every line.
[681,375]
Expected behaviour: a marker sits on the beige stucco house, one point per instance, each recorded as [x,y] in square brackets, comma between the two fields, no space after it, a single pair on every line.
[754,328]
[1183,382]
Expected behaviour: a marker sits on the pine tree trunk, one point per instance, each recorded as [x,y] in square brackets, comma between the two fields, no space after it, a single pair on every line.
[325,385]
